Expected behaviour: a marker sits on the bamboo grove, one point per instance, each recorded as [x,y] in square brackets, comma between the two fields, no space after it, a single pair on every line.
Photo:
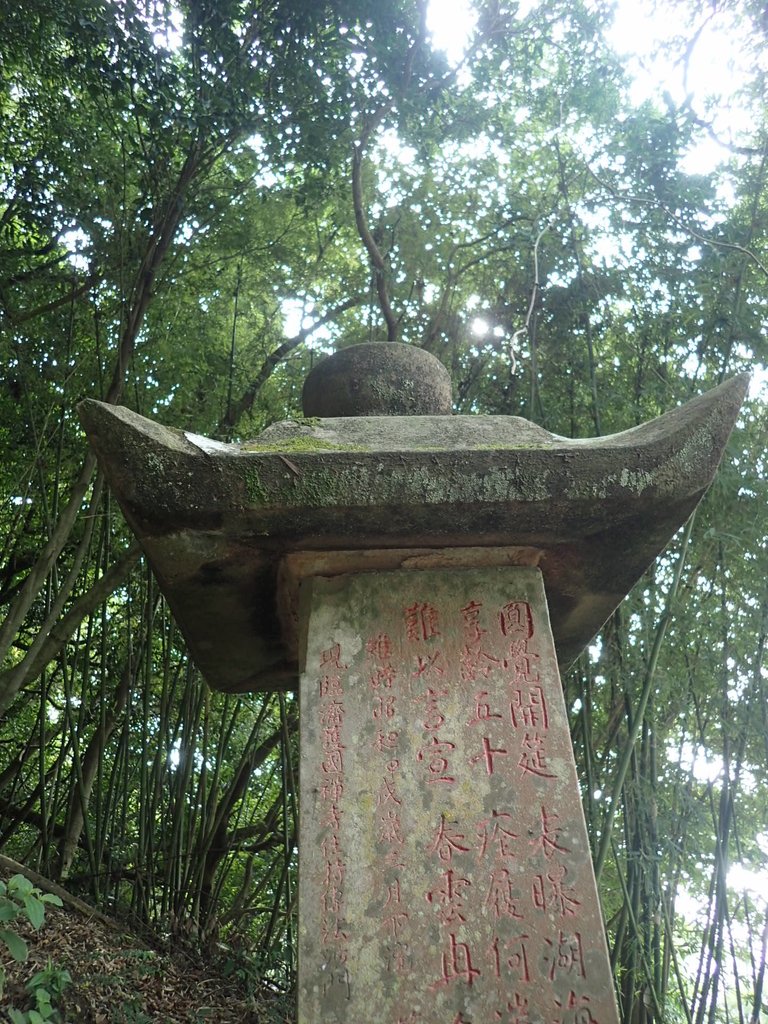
[197,200]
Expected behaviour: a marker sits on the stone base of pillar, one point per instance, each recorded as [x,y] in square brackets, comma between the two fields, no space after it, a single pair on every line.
[445,872]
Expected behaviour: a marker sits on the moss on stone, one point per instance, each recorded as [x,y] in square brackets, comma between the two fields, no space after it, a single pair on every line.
[491,447]
[254,488]
[303,443]
[309,444]
[315,489]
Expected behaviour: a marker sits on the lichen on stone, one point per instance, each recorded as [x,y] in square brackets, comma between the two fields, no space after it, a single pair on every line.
[300,443]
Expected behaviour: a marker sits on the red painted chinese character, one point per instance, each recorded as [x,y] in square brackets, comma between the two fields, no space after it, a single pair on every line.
[477,662]
[332,739]
[333,820]
[433,754]
[576,1010]
[448,896]
[332,789]
[421,621]
[382,676]
[385,741]
[565,956]
[379,647]
[393,892]
[491,832]
[447,841]
[399,961]
[429,666]
[483,711]
[387,793]
[395,922]
[390,830]
[517,961]
[330,686]
[384,707]
[332,901]
[550,892]
[332,714]
[521,663]
[332,657]
[433,717]
[533,759]
[330,847]
[528,709]
[500,896]
[516,620]
[549,835]
[516,1012]
[333,763]
[488,754]
[470,613]
[332,934]
[334,873]
[457,963]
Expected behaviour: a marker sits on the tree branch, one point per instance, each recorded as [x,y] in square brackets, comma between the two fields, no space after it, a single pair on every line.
[654,203]
[273,360]
[57,631]
[379,267]
[370,126]
[16,319]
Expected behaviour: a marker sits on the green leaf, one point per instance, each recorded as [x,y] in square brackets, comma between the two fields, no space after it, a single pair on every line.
[8,909]
[44,1007]
[19,885]
[49,897]
[35,909]
[17,947]
[17,1017]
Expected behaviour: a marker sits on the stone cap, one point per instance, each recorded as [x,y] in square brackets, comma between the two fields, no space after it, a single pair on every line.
[378,379]
[231,530]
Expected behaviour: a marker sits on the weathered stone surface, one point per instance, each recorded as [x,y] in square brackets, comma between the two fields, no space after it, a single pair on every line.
[445,873]
[220,522]
[378,380]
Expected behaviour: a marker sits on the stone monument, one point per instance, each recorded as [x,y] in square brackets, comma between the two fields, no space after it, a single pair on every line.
[425,576]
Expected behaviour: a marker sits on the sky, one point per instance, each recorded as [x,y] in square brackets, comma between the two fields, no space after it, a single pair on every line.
[710,77]
[712,70]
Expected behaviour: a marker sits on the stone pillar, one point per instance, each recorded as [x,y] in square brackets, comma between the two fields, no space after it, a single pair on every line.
[445,873]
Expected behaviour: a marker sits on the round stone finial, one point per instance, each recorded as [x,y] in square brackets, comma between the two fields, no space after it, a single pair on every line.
[378,379]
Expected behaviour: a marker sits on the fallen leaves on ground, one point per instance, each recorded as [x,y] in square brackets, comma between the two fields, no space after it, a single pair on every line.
[118,979]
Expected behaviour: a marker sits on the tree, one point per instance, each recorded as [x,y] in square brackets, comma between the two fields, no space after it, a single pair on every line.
[199,199]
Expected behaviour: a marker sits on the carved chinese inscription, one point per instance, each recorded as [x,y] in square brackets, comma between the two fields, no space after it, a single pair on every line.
[445,872]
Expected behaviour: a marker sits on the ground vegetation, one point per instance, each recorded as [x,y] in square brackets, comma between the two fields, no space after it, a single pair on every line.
[199,199]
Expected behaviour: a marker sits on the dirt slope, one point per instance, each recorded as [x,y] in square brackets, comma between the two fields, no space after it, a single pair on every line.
[119,979]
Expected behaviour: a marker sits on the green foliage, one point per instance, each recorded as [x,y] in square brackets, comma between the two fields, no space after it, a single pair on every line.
[130,1012]
[46,988]
[20,899]
[177,232]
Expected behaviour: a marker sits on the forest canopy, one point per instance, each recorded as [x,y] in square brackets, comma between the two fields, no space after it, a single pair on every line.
[201,198]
